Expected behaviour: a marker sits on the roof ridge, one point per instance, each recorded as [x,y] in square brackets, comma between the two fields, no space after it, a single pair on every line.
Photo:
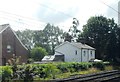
[3,28]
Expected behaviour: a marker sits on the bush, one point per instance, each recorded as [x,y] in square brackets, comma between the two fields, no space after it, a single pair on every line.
[30,60]
[5,73]
[38,53]
[73,67]
[63,67]
[30,72]
[99,65]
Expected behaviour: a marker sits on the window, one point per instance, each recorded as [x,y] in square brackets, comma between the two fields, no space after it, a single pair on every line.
[84,53]
[75,52]
[8,48]
[91,53]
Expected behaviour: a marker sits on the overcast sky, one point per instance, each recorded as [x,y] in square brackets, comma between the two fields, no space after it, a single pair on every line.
[34,14]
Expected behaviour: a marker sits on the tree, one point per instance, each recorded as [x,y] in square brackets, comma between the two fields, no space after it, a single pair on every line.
[72,34]
[67,37]
[38,53]
[100,33]
[26,37]
[118,45]
[52,35]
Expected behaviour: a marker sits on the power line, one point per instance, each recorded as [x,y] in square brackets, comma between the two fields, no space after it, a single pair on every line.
[110,7]
[22,24]
[20,16]
[43,5]
[29,18]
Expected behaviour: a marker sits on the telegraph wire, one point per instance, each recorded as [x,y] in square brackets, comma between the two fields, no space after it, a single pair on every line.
[43,5]
[18,22]
[40,4]
[110,7]
[20,16]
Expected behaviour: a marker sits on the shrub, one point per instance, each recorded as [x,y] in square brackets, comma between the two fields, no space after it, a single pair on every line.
[63,67]
[73,67]
[5,73]
[38,53]
[99,65]
[30,60]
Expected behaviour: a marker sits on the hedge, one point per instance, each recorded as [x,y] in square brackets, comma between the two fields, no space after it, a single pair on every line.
[30,72]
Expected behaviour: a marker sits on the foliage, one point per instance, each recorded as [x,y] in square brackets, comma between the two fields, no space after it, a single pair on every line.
[99,65]
[47,70]
[26,36]
[47,38]
[14,61]
[52,34]
[67,37]
[31,72]
[73,67]
[101,33]
[5,73]
[38,53]
[30,60]
[26,73]
[73,32]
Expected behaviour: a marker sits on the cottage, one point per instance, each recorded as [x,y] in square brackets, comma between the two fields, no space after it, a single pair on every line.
[10,44]
[75,52]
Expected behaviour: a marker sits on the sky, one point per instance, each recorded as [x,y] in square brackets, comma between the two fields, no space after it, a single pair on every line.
[35,14]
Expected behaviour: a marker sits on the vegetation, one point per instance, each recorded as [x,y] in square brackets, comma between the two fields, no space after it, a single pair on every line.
[99,32]
[47,38]
[104,35]
[38,53]
[30,72]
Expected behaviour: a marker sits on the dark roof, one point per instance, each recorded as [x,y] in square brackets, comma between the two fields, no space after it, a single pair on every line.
[3,27]
[80,45]
[77,44]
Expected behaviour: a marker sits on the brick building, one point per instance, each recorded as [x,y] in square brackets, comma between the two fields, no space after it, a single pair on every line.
[10,44]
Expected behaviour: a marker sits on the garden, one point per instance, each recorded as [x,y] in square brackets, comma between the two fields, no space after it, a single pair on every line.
[48,71]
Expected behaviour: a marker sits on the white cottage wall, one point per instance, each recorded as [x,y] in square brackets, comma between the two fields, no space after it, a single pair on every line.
[0,49]
[91,54]
[71,53]
[85,55]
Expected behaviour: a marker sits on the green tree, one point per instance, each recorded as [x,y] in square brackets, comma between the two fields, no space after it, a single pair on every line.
[100,33]
[73,32]
[118,45]
[26,37]
[38,53]
[67,37]
[52,36]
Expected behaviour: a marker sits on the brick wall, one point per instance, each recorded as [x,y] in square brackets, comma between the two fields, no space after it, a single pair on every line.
[9,38]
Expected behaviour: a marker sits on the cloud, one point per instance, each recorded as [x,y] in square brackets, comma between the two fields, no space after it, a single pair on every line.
[112,11]
[56,13]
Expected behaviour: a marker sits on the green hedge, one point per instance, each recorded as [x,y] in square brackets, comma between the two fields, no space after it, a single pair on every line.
[5,73]
[73,67]
[50,70]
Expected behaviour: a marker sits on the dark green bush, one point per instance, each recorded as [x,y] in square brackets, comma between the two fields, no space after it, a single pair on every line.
[99,65]
[74,66]
[63,67]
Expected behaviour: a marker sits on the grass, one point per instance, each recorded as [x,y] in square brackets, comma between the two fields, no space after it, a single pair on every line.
[89,71]
[69,74]
[108,68]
